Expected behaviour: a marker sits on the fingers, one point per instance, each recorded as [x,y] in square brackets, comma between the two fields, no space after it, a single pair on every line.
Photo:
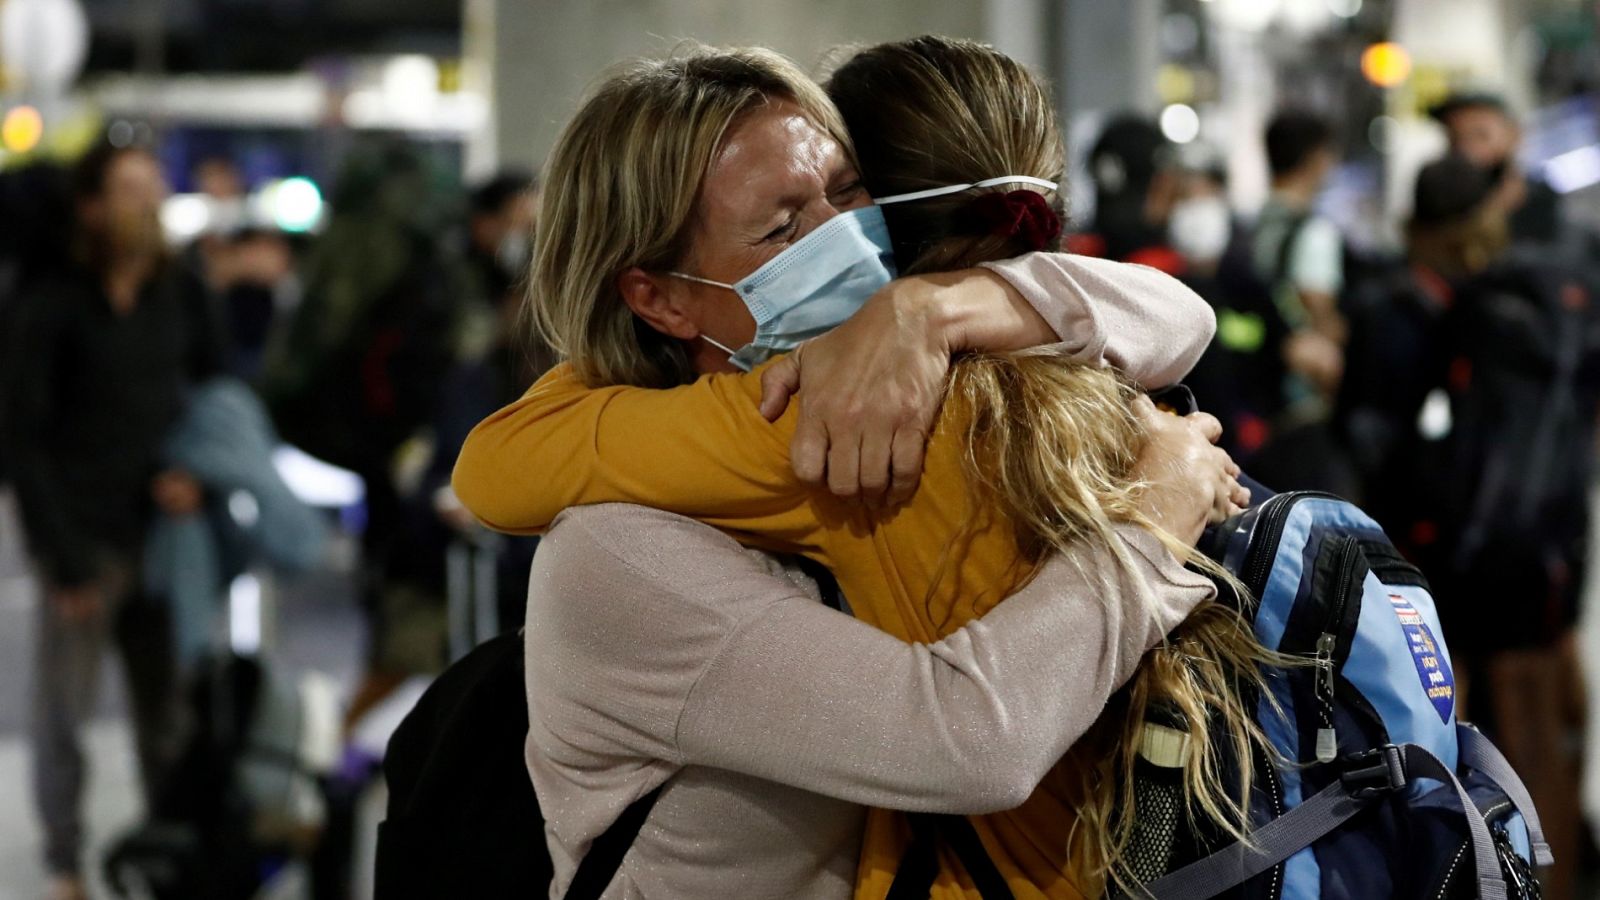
[844,466]
[808,450]
[1240,496]
[1145,408]
[876,450]
[779,383]
[906,464]
[1207,424]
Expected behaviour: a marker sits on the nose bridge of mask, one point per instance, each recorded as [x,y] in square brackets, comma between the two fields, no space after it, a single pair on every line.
[792,276]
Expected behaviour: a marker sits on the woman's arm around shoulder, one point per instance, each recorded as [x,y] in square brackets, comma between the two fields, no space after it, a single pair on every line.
[1146,323]
[701,449]
[727,663]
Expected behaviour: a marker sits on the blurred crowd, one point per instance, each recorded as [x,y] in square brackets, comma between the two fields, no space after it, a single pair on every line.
[147,389]
[1451,387]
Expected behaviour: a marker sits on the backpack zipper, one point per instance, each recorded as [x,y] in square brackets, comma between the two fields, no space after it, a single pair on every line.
[1327,645]
[1270,522]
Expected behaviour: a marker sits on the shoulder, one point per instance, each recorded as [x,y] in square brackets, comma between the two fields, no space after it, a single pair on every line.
[52,301]
[1319,231]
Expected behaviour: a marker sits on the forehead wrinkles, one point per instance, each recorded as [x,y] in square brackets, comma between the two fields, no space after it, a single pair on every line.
[799,148]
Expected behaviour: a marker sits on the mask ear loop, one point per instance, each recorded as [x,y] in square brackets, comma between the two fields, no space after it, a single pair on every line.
[717,344]
[957,188]
[702,280]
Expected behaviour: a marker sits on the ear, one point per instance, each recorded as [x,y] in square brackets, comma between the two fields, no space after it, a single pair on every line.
[659,304]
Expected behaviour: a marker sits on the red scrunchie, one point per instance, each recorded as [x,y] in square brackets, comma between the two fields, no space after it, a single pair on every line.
[1015,214]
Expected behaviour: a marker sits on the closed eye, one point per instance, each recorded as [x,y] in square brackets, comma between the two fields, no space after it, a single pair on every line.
[848,193]
[786,230]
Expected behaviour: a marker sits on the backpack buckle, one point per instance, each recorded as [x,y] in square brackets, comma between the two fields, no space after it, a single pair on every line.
[1371,773]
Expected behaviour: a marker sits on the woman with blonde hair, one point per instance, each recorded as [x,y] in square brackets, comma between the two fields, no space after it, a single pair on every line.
[1034,455]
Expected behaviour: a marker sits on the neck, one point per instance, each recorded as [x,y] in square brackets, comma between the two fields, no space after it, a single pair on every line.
[1296,190]
[124,277]
[707,359]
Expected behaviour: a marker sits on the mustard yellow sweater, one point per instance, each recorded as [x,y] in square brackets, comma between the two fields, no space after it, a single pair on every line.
[703,450]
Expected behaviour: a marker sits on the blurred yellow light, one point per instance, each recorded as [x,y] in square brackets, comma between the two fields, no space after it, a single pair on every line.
[1175,84]
[1386,64]
[22,129]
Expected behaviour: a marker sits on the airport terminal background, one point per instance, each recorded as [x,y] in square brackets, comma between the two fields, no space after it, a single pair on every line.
[272,119]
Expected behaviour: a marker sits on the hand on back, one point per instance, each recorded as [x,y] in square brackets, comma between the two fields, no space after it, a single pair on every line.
[1192,482]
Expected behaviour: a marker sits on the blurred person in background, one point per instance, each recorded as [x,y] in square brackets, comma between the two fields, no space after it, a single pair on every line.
[494,364]
[358,375]
[1238,378]
[252,273]
[1482,130]
[247,263]
[1482,376]
[1299,256]
[41,195]
[1136,182]
[106,351]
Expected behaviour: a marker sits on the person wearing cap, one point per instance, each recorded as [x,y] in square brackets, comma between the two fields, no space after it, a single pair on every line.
[1136,181]
[1396,352]
[1482,130]
[1490,503]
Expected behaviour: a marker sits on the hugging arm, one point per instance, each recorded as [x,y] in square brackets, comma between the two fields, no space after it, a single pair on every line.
[870,389]
[797,693]
[700,450]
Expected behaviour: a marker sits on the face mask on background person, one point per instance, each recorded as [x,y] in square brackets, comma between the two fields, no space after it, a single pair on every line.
[813,286]
[1200,228]
[513,253]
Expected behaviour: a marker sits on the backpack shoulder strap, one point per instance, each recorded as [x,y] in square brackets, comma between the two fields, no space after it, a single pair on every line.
[1320,814]
[1478,753]
[605,855]
[1291,236]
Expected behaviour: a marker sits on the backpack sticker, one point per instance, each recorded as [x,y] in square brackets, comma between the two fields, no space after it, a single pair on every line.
[1437,680]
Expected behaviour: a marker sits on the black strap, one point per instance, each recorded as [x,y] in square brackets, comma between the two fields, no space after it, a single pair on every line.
[963,839]
[919,867]
[1320,814]
[1291,236]
[827,585]
[605,855]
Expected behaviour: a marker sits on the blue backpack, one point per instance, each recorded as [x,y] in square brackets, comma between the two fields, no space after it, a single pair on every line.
[1391,796]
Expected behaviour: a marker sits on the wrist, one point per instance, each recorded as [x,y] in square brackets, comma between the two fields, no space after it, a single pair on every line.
[962,305]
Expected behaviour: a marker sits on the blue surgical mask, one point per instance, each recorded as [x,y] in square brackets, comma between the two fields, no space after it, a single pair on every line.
[812,287]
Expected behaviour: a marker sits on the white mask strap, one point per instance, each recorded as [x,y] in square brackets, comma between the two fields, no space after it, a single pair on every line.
[701,280]
[957,188]
[717,344]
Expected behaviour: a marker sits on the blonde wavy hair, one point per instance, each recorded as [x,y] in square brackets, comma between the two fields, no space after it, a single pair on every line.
[620,191]
[1052,443]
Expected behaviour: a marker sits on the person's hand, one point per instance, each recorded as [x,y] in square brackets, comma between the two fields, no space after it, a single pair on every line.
[869,392]
[177,493]
[1316,356]
[78,603]
[448,507]
[1192,482]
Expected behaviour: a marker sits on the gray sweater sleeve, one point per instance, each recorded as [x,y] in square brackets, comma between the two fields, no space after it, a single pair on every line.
[792,691]
[1142,321]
